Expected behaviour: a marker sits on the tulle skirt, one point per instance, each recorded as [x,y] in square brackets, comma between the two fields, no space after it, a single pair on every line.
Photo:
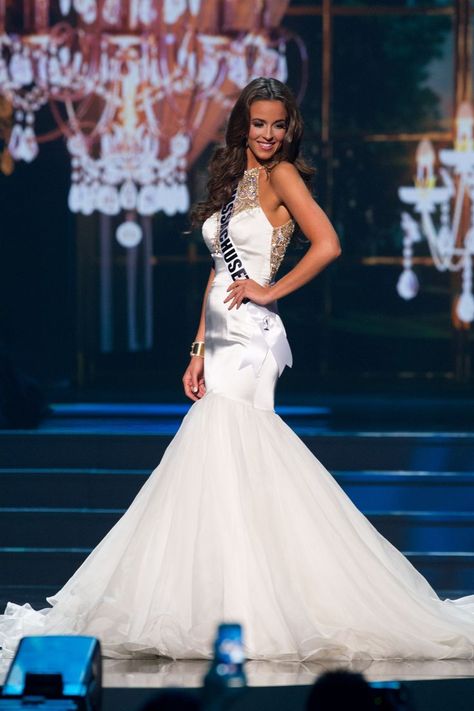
[240,522]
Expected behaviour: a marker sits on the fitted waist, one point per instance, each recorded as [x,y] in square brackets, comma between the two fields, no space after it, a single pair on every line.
[223,276]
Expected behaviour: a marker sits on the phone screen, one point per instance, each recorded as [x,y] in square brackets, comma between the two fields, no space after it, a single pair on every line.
[229,644]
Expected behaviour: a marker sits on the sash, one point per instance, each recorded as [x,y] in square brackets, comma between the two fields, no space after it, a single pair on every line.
[270,333]
[234,264]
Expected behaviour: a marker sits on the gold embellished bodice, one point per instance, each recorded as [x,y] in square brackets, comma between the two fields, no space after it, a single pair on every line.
[247,199]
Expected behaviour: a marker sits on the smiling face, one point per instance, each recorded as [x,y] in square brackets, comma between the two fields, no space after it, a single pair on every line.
[268,126]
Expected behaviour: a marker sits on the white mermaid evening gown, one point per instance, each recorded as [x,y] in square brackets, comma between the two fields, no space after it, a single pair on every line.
[240,522]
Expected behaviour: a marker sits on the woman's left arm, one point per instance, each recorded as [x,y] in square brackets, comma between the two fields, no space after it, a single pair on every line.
[313,222]
[291,191]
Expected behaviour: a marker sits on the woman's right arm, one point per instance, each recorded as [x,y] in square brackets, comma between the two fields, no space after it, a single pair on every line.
[193,378]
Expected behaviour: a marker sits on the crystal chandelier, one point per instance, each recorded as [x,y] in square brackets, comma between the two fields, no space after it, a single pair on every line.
[137,87]
[452,243]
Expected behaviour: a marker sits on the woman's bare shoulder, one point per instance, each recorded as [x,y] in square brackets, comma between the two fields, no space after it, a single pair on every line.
[284,170]
[285,180]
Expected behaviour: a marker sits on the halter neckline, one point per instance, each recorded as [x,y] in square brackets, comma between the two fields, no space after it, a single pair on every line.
[257,167]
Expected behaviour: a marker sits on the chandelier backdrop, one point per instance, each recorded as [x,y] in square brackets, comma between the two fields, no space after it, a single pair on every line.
[451,242]
[138,88]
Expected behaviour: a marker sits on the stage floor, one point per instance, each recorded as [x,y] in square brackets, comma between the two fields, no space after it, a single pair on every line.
[189,673]
[160,673]
[284,686]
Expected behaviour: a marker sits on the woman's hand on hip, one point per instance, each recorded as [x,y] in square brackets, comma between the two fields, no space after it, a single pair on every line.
[193,378]
[247,289]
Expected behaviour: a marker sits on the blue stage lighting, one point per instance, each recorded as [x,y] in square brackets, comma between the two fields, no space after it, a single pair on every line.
[54,672]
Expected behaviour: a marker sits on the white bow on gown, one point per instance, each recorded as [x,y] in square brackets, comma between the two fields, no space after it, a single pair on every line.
[240,522]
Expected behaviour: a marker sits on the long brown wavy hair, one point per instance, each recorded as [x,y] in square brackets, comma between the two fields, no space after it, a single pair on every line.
[229,162]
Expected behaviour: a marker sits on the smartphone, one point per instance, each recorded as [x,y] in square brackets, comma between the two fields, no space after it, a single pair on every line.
[229,648]
[227,668]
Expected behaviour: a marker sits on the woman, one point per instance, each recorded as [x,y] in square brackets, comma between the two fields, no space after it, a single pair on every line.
[262,145]
[240,522]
